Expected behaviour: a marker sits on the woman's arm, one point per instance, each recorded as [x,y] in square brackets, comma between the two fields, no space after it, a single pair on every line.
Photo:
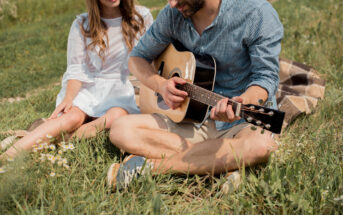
[73,88]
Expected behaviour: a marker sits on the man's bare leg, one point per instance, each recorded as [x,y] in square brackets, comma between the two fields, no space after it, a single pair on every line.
[147,136]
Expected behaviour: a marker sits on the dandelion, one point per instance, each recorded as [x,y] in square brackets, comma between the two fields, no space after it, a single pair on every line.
[2,170]
[52,147]
[52,174]
[49,136]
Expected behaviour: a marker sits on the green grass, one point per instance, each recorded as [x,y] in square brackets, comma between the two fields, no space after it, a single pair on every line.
[303,177]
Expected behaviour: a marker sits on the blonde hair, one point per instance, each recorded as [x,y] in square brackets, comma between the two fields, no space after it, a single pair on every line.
[132,25]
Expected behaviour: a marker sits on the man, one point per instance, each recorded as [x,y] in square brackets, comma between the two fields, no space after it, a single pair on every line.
[244,38]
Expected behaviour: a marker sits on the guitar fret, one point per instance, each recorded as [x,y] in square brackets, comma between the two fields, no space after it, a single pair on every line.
[202,95]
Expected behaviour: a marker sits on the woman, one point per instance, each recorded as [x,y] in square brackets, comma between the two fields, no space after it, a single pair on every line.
[95,89]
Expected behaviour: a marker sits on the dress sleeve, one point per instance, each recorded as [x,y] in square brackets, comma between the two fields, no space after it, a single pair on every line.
[76,55]
[148,20]
[264,44]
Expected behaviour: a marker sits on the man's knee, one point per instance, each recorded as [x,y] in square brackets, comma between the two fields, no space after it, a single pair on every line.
[121,130]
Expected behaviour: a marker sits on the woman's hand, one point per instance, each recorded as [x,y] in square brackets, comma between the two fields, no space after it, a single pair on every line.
[64,107]
[223,112]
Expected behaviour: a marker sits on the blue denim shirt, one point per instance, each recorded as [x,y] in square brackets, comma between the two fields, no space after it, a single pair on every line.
[244,39]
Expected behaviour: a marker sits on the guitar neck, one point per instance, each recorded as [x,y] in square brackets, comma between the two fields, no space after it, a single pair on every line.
[208,97]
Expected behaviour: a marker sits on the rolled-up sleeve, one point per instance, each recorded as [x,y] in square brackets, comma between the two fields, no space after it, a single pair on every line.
[157,38]
[76,55]
[264,45]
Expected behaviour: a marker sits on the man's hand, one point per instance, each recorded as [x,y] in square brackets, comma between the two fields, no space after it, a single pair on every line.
[223,112]
[172,96]
[64,107]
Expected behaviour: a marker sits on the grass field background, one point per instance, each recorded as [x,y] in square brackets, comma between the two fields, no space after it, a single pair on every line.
[304,176]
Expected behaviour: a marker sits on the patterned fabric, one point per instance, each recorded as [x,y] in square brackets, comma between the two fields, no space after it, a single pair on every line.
[299,89]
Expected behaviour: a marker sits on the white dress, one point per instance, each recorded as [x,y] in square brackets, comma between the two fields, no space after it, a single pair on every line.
[104,84]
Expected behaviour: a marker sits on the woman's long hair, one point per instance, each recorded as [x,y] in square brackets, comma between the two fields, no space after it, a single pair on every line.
[132,25]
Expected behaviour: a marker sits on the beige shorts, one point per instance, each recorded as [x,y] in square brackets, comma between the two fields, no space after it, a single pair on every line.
[206,131]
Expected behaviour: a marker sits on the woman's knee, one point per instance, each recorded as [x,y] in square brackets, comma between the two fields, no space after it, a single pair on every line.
[74,119]
[113,114]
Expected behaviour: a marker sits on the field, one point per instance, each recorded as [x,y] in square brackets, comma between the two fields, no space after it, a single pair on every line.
[305,176]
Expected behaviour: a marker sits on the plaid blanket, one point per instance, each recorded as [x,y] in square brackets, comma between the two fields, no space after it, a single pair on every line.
[298,92]
[299,89]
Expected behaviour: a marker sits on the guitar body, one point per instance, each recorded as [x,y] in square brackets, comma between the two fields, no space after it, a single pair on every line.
[197,70]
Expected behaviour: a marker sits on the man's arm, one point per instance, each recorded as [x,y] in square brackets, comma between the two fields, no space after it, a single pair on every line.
[144,72]
[264,47]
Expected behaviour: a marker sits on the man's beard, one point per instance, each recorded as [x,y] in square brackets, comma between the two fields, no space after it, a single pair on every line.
[193,6]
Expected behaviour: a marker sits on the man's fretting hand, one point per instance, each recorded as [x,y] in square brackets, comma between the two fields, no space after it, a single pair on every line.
[223,111]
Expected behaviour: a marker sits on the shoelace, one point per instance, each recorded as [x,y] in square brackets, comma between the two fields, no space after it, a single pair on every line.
[129,174]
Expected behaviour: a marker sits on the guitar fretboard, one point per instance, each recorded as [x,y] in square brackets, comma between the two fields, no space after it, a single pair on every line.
[206,97]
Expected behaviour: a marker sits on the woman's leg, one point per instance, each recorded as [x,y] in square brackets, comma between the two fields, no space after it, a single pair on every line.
[90,129]
[68,122]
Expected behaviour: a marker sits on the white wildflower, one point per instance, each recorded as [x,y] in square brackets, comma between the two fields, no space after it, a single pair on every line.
[64,160]
[52,174]
[49,157]
[53,159]
[52,147]
[71,146]
[2,170]
[60,152]
[58,157]
[40,147]
[49,136]
[45,145]
[35,150]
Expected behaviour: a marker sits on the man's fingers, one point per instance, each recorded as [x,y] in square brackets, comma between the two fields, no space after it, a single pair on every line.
[179,80]
[174,90]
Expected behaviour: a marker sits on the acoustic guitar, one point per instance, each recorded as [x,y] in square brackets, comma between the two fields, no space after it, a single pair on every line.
[199,72]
